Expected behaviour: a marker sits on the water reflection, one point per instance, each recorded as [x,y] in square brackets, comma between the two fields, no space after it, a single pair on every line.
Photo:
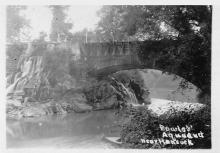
[72,130]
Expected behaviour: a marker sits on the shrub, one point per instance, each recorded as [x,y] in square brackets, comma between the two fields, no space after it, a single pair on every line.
[143,124]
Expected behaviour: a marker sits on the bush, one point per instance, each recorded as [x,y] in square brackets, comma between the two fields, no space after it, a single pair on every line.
[143,124]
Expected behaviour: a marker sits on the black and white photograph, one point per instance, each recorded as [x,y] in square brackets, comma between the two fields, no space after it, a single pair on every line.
[108,77]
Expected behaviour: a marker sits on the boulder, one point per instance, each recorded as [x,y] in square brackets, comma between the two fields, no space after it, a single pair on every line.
[12,105]
[133,80]
[146,96]
[33,111]
[108,103]
[101,95]
[77,101]
[81,107]
[108,93]
[14,102]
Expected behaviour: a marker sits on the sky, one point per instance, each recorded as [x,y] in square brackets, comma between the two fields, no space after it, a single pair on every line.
[81,16]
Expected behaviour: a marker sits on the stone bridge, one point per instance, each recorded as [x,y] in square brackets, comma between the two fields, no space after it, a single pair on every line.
[100,59]
[106,58]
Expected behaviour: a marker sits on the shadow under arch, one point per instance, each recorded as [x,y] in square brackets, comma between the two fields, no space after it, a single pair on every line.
[106,71]
[102,72]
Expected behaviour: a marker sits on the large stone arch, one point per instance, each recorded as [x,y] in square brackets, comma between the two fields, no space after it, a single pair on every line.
[105,71]
[151,54]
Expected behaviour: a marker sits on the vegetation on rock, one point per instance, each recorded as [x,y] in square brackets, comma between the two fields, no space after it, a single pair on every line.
[143,124]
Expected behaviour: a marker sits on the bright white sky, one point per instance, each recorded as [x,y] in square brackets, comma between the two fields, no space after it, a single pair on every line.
[81,17]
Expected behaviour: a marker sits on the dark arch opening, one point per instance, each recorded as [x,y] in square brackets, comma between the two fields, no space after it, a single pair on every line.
[103,72]
[190,93]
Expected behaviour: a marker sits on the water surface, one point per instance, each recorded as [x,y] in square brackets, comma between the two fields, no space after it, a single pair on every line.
[73,130]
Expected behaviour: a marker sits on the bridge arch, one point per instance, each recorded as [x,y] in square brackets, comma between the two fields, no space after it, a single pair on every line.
[128,55]
[103,72]
[165,88]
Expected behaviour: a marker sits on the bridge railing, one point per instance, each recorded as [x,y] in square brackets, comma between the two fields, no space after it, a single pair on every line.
[101,55]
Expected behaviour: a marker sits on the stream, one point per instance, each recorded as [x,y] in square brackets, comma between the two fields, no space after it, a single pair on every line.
[74,130]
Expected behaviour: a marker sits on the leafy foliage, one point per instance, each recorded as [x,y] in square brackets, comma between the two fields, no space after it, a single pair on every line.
[15,23]
[84,36]
[143,124]
[59,28]
[189,27]
[56,62]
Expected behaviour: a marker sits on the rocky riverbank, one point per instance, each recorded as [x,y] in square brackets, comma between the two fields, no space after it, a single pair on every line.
[105,94]
[46,81]
[43,84]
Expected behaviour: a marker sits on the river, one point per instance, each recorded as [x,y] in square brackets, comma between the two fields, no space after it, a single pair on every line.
[81,130]
[74,130]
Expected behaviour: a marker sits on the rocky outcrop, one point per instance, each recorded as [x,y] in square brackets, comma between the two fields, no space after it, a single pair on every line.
[42,73]
[33,81]
[135,82]
[102,95]
[42,85]
[39,84]
[76,103]
[112,93]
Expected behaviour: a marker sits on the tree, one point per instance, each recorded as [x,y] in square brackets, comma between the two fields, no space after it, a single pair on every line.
[193,52]
[15,23]
[190,26]
[123,23]
[84,36]
[109,27]
[59,28]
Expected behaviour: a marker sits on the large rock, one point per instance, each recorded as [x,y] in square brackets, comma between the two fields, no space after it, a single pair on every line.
[12,105]
[112,93]
[98,94]
[135,82]
[77,100]
[33,111]
[81,107]
[42,74]
[108,103]
[71,102]
[14,102]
